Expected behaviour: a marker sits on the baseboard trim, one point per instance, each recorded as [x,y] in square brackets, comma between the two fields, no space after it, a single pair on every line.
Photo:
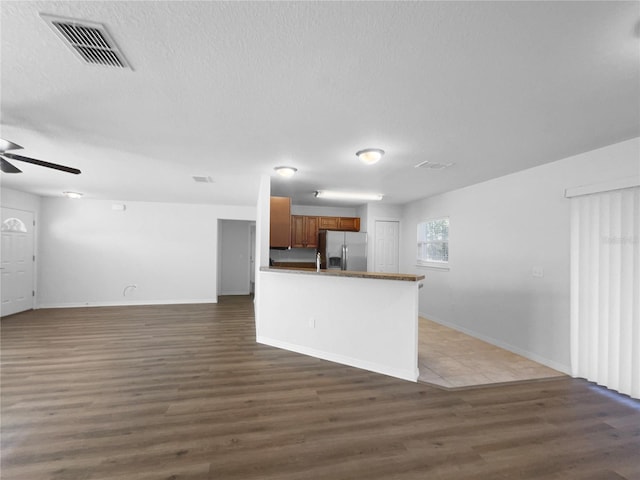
[126,304]
[525,353]
[402,374]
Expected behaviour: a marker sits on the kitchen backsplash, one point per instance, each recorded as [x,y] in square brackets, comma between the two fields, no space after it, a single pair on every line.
[293,255]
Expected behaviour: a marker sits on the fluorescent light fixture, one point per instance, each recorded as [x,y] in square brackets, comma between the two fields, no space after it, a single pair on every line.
[331,195]
[370,155]
[72,194]
[286,172]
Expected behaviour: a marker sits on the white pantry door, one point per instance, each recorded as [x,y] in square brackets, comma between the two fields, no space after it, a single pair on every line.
[16,261]
[386,248]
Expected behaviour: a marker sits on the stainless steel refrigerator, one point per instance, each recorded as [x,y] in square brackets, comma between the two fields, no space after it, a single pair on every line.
[343,250]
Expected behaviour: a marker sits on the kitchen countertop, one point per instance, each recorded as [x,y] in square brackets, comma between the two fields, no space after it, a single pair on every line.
[406,277]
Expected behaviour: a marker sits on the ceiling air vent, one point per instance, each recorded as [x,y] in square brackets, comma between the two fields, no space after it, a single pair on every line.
[89,41]
[434,165]
[202,179]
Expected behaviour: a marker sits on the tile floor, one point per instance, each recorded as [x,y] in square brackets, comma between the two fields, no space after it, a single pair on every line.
[451,359]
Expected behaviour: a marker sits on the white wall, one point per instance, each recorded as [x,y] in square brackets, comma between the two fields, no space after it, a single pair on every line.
[19,200]
[499,231]
[234,257]
[263,212]
[91,253]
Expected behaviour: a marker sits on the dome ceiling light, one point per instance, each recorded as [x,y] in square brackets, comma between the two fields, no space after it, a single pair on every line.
[286,172]
[72,194]
[370,156]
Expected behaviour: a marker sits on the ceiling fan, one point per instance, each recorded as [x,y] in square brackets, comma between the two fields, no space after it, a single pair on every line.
[7,167]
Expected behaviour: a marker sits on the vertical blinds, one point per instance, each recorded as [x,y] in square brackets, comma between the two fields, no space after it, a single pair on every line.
[605,289]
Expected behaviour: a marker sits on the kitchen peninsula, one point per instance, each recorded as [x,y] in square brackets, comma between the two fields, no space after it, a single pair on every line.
[363,319]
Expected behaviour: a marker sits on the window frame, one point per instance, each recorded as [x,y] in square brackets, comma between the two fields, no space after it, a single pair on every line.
[437,264]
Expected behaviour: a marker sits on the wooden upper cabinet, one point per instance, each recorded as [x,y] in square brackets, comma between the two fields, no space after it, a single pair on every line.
[329,223]
[304,231]
[280,225]
[301,231]
[349,224]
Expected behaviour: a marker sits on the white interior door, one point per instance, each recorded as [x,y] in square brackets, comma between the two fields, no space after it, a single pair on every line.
[386,251]
[16,261]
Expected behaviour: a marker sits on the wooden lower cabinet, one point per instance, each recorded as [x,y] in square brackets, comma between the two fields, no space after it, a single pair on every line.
[304,231]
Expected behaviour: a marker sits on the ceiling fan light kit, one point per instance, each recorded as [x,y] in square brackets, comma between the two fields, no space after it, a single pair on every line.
[8,167]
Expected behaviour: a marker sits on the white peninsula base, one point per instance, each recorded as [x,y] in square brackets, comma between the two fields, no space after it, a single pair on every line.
[368,321]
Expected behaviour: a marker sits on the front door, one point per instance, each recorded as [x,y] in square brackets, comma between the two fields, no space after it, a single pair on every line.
[16,261]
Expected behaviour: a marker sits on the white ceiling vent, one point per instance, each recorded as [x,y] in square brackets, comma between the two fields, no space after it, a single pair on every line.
[89,41]
[434,165]
[198,179]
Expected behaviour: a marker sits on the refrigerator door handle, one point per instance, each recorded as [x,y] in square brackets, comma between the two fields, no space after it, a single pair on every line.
[345,255]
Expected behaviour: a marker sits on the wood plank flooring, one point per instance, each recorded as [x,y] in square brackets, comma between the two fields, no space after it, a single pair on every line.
[184,392]
[451,359]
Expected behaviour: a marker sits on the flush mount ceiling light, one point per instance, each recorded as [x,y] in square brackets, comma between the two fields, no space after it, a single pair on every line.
[331,195]
[286,172]
[72,194]
[370,155]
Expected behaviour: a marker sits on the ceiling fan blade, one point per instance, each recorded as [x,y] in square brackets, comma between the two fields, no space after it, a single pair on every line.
[6,167]
[7,145]
[42,163]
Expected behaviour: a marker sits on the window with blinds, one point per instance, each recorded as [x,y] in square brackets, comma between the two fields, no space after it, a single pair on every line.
[433,242]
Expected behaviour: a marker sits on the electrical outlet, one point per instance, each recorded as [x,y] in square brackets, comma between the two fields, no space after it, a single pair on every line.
[537,272]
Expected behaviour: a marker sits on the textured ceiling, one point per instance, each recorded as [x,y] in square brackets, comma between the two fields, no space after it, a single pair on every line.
[232,89]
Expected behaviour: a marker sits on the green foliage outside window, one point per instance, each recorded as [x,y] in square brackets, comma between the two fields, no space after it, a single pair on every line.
[433,241]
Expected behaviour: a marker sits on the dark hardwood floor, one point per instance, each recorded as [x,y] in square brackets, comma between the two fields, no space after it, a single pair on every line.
[184,392]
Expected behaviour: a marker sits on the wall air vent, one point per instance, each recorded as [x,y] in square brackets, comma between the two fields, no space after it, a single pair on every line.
[198,179]
[434,165]
[89,41]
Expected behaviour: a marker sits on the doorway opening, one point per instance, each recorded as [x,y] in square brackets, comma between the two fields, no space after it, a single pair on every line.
[236,254]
